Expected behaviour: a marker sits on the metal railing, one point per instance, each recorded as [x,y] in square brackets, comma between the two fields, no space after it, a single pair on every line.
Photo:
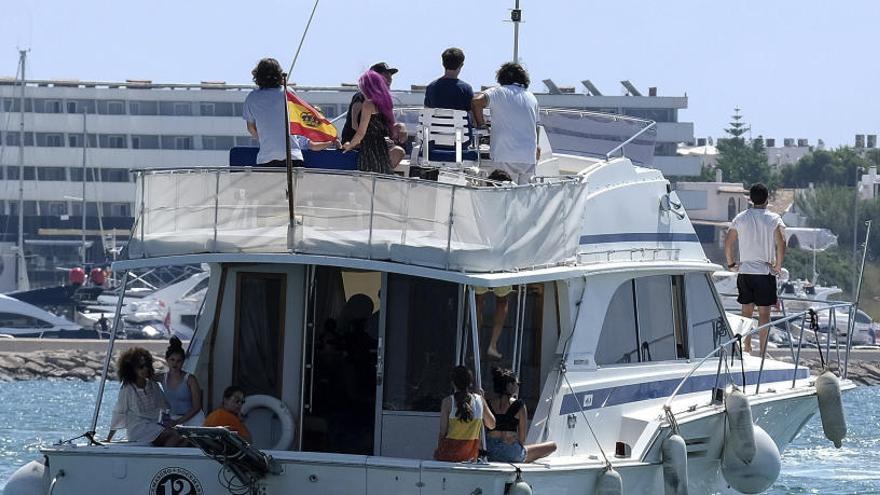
[810,315]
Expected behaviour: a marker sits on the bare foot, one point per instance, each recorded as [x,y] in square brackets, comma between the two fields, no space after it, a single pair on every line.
[492,353]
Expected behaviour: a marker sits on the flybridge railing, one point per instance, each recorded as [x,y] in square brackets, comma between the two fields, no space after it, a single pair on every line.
[582,132]
[809,323]
[358,215]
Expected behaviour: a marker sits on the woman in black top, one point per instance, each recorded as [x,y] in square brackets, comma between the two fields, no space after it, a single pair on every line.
[376,122]
[506,442]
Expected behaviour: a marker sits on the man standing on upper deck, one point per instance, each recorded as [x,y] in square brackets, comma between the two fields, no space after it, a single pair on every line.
[266,122]
[761,250]
[514,137]
[449,91]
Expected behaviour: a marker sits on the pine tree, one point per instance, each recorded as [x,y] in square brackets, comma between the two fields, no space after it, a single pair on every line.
[741,160]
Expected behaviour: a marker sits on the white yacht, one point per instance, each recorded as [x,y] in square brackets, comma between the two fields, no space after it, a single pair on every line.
[344,310]
[20,319]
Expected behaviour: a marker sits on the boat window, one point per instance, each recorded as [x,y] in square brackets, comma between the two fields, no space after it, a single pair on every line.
[656,319]
[618,342]
[705,324]
[644,322]
[420,340]
[13,320]
[259,332]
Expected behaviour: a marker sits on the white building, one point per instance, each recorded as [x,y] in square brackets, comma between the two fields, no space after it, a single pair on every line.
[138,124]
[869,184]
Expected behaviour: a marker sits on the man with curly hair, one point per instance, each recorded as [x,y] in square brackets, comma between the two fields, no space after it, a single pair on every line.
[264,113]
[514,137]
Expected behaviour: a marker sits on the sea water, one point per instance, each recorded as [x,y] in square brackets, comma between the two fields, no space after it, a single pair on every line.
[43,412]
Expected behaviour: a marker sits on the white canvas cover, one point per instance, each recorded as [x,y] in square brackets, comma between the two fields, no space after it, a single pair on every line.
[368,216]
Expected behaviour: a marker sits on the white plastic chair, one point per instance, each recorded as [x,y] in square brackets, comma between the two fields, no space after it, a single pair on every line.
[447,128]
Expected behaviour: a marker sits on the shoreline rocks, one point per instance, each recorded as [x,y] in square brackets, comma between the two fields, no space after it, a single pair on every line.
[60,364]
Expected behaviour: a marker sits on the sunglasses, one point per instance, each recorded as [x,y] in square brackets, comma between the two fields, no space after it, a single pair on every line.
[144,365]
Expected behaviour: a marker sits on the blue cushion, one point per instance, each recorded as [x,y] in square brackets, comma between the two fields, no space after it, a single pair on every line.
[330,159]
[435,155]
[246,156]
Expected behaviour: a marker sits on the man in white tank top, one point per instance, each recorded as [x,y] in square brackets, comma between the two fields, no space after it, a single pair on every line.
[761,250]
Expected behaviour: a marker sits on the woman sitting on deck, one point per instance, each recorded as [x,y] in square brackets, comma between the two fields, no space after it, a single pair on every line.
[506,441]
[141,402]
[181,389]
[462,416]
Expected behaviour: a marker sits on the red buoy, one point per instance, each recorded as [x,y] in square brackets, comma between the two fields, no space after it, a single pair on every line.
[76,276]
[97,276]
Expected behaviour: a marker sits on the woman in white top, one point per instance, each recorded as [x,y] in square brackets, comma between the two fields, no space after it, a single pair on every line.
[141,402]
[181,389]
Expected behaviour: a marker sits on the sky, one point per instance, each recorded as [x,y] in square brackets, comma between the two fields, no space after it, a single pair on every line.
[796,68]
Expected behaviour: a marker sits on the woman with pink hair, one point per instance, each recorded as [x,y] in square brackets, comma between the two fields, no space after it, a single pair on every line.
[376,122]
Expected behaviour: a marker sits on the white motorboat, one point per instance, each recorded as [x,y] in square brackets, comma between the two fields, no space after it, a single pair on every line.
[171,310]
[344,311]
[20,319]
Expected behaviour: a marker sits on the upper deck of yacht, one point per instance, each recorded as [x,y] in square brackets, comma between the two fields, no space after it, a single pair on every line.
[584,207]
[465,226]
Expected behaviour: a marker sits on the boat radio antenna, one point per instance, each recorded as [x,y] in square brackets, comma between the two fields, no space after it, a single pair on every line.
[516,18]
[302,39]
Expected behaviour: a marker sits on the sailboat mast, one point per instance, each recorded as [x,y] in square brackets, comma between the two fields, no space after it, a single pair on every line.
[21,273]
[85,147]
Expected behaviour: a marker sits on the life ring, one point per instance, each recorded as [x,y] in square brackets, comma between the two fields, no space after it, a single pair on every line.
[279,409]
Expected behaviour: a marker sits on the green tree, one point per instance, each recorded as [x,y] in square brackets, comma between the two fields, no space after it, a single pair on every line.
[741,160]
[829,168]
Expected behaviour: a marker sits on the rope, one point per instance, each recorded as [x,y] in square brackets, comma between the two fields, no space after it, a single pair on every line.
[592,432]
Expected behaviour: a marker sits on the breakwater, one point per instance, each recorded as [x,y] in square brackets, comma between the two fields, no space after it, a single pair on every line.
[33,359]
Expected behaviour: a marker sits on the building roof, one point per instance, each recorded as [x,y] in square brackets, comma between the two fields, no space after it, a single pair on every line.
[781,200]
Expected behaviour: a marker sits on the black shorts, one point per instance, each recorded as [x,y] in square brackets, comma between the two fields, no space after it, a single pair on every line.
[759,290]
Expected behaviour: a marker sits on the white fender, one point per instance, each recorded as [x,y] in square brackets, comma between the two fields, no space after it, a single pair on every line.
[279,409]
[675,477]
[758,475]
[27,480]
[740,438]
[831,408]
[609,483]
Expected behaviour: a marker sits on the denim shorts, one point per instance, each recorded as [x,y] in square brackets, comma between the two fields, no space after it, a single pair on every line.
[501,451]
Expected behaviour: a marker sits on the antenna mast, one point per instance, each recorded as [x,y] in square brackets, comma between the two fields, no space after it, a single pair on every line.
[516,18]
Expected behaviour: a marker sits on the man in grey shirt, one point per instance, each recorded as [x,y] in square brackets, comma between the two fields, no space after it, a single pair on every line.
[761,250]
[265,117]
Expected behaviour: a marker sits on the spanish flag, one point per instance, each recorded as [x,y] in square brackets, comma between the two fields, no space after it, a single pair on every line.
[306,121]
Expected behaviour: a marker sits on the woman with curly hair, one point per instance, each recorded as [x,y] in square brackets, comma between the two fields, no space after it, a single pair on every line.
[141,402]
[506,442]
[181,389]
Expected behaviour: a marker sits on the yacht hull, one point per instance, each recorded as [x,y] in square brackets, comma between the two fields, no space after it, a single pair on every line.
[121,469]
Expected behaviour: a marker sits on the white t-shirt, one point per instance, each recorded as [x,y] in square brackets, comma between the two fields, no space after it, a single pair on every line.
[514,117]
[755,230]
